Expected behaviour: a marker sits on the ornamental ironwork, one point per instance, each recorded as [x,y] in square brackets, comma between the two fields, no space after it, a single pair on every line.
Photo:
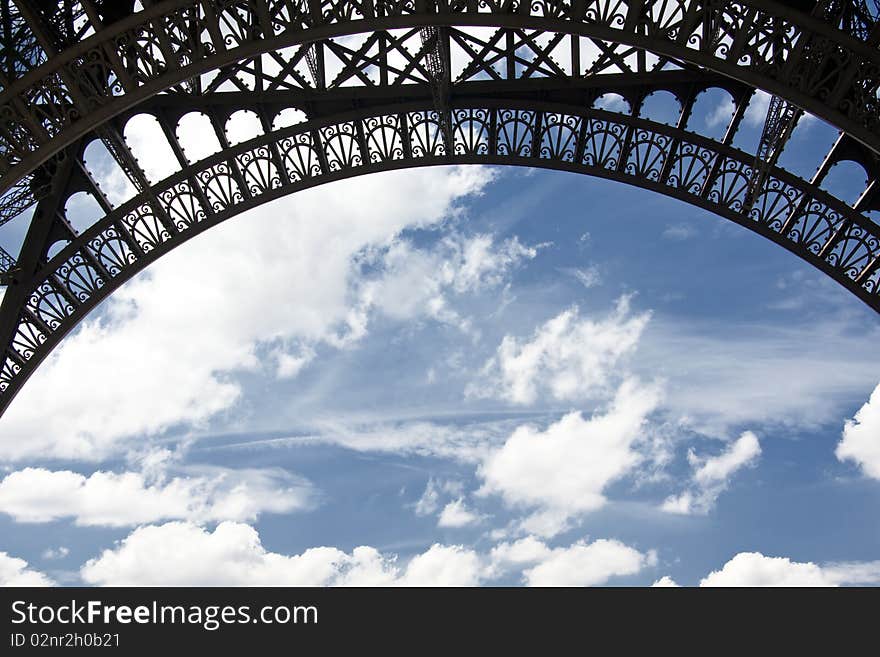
[390,84]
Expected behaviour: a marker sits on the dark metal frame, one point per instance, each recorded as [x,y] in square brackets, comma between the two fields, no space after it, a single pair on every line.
[82,77]
[806,59]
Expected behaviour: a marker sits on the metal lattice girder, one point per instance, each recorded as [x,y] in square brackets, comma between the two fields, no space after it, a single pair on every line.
[819,65]
[17,200]
[7,264]
[778,125]
[852,15]
[378,85]
[825,232]
[435,41]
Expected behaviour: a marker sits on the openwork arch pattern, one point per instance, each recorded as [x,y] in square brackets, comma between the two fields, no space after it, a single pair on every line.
[828,71]
[790,211]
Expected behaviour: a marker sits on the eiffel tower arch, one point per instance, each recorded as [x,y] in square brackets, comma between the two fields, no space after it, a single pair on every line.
[391,84]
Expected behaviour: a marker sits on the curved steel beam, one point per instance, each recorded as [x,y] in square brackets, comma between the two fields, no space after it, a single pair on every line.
[790,211]
[818,67]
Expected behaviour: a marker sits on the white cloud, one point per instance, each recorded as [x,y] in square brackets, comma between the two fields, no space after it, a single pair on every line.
[131,498]
[569,358]
[711,476]
[164,353]
[183,554]
[612,103]
[14,572]
[580,564]
[525,551]
[755,569]
[861,437]
[416,282]
[665,582]
[564,470]
[429,502]
[55,553]
[719,379]
[444,565]
[470,443]
[756,112]
[722,113]
[290,364]
[865,573]
[456,514]
[679,232]
[589,277]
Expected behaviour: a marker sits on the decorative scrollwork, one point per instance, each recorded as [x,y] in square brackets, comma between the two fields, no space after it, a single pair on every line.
[425,134]
[112,251]
[384,137]
[827,64]
[182,206]
[814,227]
[27,339]
[559,137]
[341,146]
[258,169]
[731,184]
[79,276]
[50,305]
[145,228]
[807,220]
[854,251]
[603,143]
[690,168]
[646,155]
[775,204]
[471,129]
[515,132]
[300,156]
[220,187]
[8,372]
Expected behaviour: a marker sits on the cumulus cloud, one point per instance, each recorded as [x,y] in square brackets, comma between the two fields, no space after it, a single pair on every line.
[861,437]
[563,470]
[417,282]
[722,113]
[184,554]
[132,498]
[55,553]
[712,475]
[580,564]
[755,569]
[456,514]
[15,572]
[140,368]
[568,358]
[443,565]
[665,582]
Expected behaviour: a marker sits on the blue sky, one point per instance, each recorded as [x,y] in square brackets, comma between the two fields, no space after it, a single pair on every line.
[457,376]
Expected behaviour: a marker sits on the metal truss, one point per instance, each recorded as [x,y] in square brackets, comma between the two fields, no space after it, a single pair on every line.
[405,83]
[817,59]
[779,123]
[790,211]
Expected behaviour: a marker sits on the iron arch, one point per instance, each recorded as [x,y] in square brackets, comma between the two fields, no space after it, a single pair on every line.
[392,84]
[820,62]
[792,212]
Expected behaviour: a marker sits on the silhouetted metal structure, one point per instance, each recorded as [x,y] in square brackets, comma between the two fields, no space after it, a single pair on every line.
[388,84]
